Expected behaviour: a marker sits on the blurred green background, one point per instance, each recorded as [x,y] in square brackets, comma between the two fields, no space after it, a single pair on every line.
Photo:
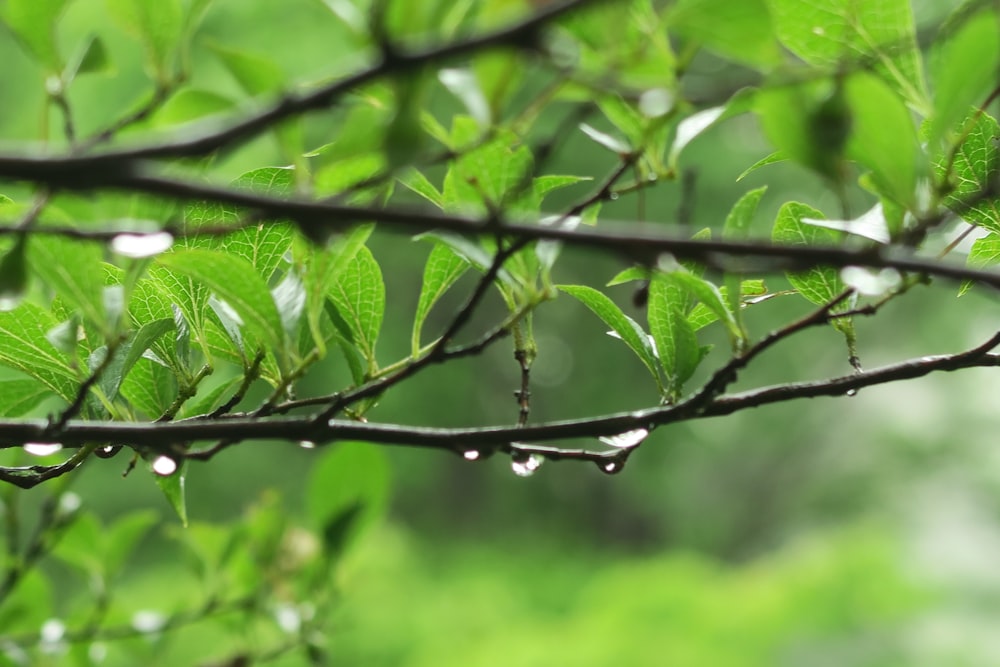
[851,531]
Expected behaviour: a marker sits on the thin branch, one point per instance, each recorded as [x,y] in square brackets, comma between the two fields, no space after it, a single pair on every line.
[163,435]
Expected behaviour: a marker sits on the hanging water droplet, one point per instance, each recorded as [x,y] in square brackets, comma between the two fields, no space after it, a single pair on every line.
[613,196]
[626,440]
[51,635]
[42,448]
[851,392]
[527,467]
[611,467]
[164,466]
[471,455]
[307,444]
[142,245]
[107,451]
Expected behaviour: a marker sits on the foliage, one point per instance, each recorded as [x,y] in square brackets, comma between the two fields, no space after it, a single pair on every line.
[156,303]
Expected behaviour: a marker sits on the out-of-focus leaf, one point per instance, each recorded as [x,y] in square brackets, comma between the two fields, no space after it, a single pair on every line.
[697,123]
[13,274]
[33,22]
[623,325]
[442,269]
[157,25]
[603,138]
[870,225]
[963,70]
[826,34]
[347,493]
[416,181]
[739,29]
[190,104]
[462,83]
[19,396]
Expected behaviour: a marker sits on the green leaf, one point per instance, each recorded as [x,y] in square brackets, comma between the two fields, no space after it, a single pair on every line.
[347,493]
[610,142]
[464,85]
[737,29]
[91,57]
[13,275]
[676,343]
[173,490]
[323,266]
[290,299]
[828,33]
[629,275]
[975,170]
[777,156]
[963,70]
[149,388]
[819,284]
[23,346]
[709,296]
[443,268]
[190,104]
[883,137]
[20,396]
[737,227]
[699,122]
[157,25]
[359,295]
[985,253]
[234,280]
[416,181]
[72,269]
[130,352]
[33,22]
[623,325]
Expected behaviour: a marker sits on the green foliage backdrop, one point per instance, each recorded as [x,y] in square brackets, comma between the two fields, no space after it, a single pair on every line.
[241,241]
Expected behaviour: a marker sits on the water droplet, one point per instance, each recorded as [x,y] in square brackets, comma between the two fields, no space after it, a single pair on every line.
[164,466]
[527,467]
[69,503]
[107,451]
[52,632]
[307,444]
[147,621]
[626,440]
[288,618]
[42,448]
[851,392]
[611,467]
[471,455]
[142,245]
[613,196]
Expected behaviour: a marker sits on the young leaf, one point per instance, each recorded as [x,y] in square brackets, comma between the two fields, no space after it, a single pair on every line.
[623,325]
[708,295]
[235,280]
[129,353]
[676,343]
[737,226]
[603,138]
[819,284]
[777,156]
[347,493]
[443,268]
[172,485]
[359,295]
